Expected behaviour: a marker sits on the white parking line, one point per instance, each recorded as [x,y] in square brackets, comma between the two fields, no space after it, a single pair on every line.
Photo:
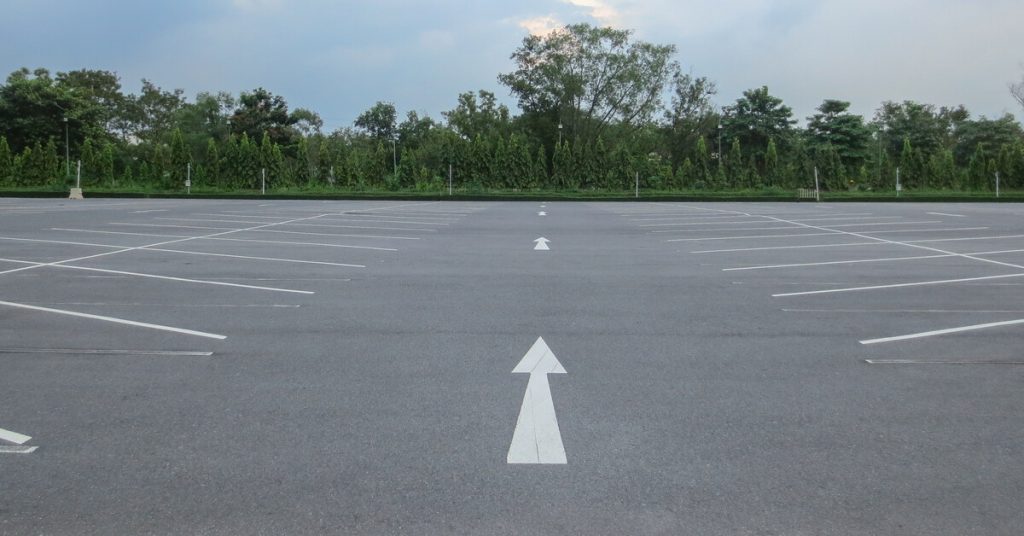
[169,226]
[820,234]
[944,332]
[116,320]
[945,214]
[14,437]
[858,261]
[79,351]
[344,246]
[163,277]
[896,285]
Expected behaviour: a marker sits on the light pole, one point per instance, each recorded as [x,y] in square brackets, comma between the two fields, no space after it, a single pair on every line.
[67,149]
[394,155]
[719,140]
[559,132]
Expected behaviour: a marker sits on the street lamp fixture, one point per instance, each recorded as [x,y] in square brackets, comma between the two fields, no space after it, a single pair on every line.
[559,133]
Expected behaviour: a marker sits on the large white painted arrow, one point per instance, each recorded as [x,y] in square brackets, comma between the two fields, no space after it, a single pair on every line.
[542,244]
[17,439]
[537,438]
[542,213]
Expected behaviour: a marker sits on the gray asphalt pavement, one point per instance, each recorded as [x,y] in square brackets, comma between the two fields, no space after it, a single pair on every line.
[238,367]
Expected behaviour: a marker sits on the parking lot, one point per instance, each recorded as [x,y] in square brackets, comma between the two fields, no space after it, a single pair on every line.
[402,367]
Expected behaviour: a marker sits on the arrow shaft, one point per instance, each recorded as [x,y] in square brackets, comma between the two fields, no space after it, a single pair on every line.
[537,439]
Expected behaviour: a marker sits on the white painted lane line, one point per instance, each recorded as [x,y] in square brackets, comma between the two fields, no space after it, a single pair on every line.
[116,320]
[897,285]
[74,351]
[343,246]
[938,332]
[724,230]
[382,237]
[542,213]
[820,234]
[831,263]
[163,277]
[17,450]
[945,214]
[370,227]
[772,248]
[542,244]
[254,258]
[148,211]
[186,305]
[537,439]
[748,237]
[940,362]
[14,437]
[403,222]
[65,242]
[858,261]
[904,311]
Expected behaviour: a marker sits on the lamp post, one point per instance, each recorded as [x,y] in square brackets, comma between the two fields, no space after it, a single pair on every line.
[394,155]
[67,149]
[719,140]
[559,132]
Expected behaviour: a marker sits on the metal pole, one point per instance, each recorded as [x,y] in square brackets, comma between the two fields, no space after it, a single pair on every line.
[638,184]
[898,187]
[997,185]
[264,187]
[67,149]
[394,156]
[449,179]
[78,181]
[188,178]
[817,189]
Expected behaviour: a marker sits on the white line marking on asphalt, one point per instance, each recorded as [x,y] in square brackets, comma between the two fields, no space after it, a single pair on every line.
[537,439]
[163,277]
[858,261]
[148,211]
[253,258]
[542,213]
[904,311]
[281,242]
[896,285]
[945,214]
[830,263]
[940,362]
[187,305]
[14,437]
[818,234]
[771,248]
[116,320]
[542,244]
[944,331]
[383,237]
[74,351]
[17,450]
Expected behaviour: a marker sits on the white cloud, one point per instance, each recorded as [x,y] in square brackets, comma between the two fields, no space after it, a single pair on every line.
[542,25]
[600,10]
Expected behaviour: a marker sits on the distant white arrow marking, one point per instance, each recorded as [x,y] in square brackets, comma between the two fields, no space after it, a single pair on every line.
[542,244]
[542,213]
[537,439]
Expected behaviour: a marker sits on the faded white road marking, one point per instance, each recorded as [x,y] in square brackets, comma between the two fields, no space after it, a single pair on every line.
[17,450]
[945,214]
[74,351]
[164,277]
[542,244]
[116,320]
[944,331]
[896,285]
[940,362]
[14,437]
[537,439]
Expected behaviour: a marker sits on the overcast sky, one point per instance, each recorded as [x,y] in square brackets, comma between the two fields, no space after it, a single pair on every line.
[339,57]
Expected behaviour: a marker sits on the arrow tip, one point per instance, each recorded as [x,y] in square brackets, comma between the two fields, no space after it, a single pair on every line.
[540,359]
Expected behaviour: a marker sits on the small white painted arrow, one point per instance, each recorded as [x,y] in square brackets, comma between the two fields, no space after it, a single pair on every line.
[537,439]
[542,213]
[542,244]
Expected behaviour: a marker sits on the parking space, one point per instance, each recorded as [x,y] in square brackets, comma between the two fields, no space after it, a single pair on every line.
[369,367]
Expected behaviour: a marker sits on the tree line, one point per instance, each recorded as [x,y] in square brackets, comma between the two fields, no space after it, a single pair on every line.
[598,110]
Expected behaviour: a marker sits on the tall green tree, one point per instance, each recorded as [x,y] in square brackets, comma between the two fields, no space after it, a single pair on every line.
[755,118]
[846,133]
